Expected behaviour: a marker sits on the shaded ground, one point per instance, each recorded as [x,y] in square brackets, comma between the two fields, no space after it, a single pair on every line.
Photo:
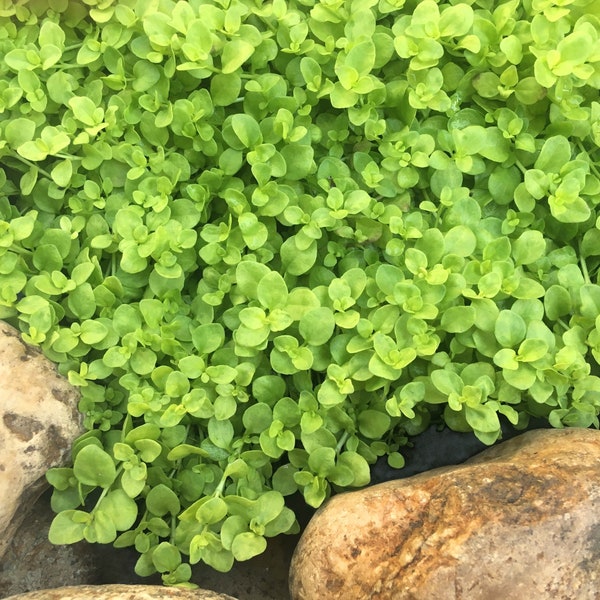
[32,563]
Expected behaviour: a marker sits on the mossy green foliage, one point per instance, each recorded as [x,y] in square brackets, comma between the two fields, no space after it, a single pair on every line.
[271,240]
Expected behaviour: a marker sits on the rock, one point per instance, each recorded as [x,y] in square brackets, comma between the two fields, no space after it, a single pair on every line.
[121,592]
[520,520]
[38,422]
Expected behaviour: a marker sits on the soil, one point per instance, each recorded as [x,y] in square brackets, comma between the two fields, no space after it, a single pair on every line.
[32,563]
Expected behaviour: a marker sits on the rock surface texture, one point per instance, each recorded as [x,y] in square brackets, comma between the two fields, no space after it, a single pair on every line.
[520,520]
[121,592]
[38,421]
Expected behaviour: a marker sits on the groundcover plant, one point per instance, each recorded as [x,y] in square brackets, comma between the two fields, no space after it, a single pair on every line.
[269,241]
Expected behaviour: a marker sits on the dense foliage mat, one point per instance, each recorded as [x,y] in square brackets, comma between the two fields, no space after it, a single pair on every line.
[272,240]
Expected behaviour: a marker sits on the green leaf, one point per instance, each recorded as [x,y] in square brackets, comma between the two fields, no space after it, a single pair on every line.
[149,450]
[456,20]
[247,545]
[316,326]
[257,417]
[322,461]
[120,508]
[212,511]
[460,240]
[295,260]
[590,300]
[299,160]
[271,291]
[510,328]
[85,110]
[162,500]
[529,247]
[357,465]
[532,349]
[19,58]
[361,57]
[373,423]
[446,382]
[34,150]
[235,54]
[18,131]
[248,274]
[254,232]
[166,557]
[246,129]
[93,466]
[225,88]
[458,319]
[557,302]
[68,527]
[482,418]
[220,433]
[63,171]
[555,153]
[208,337]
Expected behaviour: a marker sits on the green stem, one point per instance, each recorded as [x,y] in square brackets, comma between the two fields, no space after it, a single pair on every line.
[65,66]
[584,269]
[591,164]
[173,528]
[104,490]
[342,441]
[31,164]
[521,167]
[19,250]
[219,489]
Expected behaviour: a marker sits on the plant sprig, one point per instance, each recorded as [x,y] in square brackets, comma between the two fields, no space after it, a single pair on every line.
[271,241]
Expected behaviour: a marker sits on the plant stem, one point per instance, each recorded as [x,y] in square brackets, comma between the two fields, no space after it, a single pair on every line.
[584,269]
[341,443]
[31,164]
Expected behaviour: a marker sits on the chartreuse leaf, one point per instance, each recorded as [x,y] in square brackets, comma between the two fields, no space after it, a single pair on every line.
[93,466]
[19,131]
[317,325]
[247,545]
[162,500]
[246,129]
[272,291]
[235,54]
[555,153]
[166,557]
[298,260]
[482,418]
[510,328]
[119,508]
[269,242]
[68,527]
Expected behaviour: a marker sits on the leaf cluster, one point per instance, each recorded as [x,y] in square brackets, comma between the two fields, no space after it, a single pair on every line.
[270,241]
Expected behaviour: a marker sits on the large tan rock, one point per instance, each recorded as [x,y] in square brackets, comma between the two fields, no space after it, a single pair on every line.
[120,592]
[520,520]
[38,421]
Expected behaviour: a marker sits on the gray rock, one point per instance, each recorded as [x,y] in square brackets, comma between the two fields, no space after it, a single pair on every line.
[121,592]
[520,520]
[38,422]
